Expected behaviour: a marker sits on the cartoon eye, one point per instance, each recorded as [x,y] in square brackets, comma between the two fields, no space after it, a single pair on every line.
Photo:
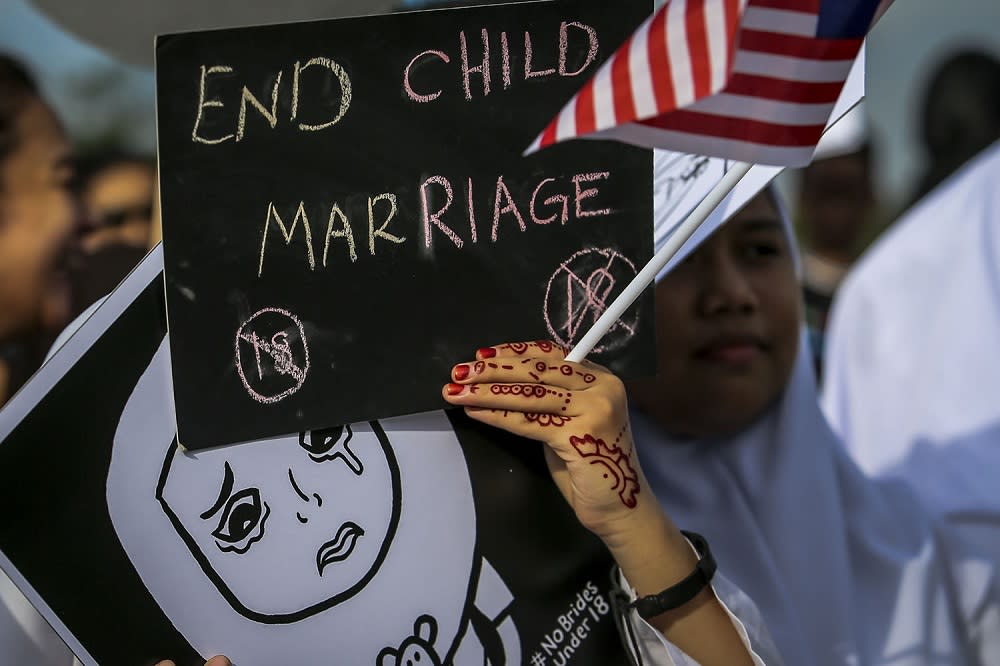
[326,444]
[319,442]
[242,521]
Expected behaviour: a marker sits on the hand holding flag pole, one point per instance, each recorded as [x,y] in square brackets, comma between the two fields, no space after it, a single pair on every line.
[748,80]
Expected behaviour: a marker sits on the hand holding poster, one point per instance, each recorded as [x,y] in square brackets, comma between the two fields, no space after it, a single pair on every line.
[329,189]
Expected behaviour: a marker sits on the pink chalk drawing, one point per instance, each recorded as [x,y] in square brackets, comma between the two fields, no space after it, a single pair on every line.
[579,292]
[272,355]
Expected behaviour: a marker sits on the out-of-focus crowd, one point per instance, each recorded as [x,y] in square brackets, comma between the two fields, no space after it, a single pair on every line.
[71,225]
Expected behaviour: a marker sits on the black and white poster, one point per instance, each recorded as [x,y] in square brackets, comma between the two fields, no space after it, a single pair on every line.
[370,543]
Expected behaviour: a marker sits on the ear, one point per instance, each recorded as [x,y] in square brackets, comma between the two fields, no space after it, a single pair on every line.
[426,624]
[385,654]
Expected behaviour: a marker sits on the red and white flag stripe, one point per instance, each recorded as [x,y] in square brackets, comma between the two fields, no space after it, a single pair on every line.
[741,79]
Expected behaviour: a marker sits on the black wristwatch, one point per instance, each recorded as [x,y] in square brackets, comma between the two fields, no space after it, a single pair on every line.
[677,595]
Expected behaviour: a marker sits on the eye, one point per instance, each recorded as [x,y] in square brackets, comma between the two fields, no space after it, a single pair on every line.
[319,442]
[763,250]
[329,443]
[242,521]
[760,248]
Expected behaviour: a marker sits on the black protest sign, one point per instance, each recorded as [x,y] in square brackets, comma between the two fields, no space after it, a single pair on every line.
[347,211]
[134,554]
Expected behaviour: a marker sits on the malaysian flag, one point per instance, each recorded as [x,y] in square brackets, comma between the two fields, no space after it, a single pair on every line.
[749,80]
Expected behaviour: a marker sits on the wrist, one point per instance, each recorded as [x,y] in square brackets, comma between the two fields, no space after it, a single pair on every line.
[650,550]
[685,591]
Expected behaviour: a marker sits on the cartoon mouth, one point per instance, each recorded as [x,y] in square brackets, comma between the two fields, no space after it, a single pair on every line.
[340,547]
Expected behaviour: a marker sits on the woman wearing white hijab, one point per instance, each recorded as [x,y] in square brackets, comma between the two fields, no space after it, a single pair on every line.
[845,571]
[912,381]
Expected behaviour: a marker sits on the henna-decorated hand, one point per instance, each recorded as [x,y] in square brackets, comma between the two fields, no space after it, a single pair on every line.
[577,409]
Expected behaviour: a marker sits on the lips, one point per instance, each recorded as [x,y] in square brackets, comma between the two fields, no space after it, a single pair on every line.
[731,348]
[340,547]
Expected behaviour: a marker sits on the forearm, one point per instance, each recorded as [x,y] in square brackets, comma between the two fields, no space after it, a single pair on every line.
[653,555]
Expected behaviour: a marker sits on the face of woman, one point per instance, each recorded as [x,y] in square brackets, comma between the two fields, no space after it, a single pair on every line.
[727,328]
[119,205]
[37,218]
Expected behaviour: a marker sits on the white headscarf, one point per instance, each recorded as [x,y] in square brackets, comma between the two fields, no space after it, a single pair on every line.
[845,571]
[913,357]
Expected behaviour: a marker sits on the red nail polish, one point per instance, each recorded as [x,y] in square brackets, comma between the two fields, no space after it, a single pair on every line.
[460,371]
[486,352]
[454,389]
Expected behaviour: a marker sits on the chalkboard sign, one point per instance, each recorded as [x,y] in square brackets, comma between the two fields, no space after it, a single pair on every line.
[347,211]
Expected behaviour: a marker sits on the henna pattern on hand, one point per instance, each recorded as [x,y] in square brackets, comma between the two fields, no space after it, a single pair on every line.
[544,346]
[546,420]
[527,390]
[614,460]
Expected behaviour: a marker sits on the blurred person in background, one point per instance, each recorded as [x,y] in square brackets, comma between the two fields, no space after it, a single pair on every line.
[117,191]
[38,221]
[912,368]
[960,115]
[836,217]
[38,218]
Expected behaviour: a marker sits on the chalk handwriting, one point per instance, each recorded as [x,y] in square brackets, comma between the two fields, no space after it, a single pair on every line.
[338,226]
[271,114]
[381,232]
[287,233]
[343,232]
[508,207]
[204,103]
[483,66]
[439,217]
[504,204]
[579,292]
[280,355]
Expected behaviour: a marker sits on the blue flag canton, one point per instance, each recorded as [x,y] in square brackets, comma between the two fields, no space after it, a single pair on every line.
[845,19]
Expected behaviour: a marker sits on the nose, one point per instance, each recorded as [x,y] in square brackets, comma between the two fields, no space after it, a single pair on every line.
[726,288]
[309,499]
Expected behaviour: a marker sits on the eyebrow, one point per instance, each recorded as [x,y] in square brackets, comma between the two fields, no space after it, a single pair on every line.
[224,493]
[762,224]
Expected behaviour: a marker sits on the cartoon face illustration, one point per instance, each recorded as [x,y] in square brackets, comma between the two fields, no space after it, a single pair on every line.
[284,541]
[316,548]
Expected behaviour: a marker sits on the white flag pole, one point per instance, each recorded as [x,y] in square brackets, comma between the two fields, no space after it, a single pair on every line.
[659,260]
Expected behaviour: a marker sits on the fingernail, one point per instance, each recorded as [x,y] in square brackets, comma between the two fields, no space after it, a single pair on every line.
[460,371]
[486,352]
[454,389]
